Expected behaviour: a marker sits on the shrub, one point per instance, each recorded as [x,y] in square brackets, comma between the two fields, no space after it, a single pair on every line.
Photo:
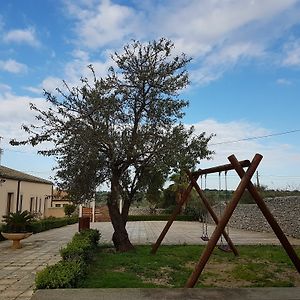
[1,230]
[69,209]
[18,222]
[51,222]
[92,234]
[81,246]
[64,274]
[76,256]
[77,249]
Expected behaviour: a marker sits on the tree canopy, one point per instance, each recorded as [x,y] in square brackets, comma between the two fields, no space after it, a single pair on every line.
[120,128]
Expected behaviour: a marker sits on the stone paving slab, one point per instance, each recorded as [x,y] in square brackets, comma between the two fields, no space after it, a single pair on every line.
[170,294]
[18,267]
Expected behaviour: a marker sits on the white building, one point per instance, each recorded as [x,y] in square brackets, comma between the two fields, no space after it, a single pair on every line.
[20,191]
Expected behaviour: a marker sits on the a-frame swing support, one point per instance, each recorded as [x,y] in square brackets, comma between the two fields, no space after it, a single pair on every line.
[193,178]
[219,230]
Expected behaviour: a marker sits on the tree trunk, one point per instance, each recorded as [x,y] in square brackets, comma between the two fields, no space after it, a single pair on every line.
[120,235]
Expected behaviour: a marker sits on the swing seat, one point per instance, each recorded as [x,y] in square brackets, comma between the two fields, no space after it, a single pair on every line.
[225,248]
[205,238]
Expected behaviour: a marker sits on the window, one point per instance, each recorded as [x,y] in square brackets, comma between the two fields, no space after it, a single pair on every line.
[31,204]
[10,197]
[36,204]
[40,204]
[20,203]
[57,205]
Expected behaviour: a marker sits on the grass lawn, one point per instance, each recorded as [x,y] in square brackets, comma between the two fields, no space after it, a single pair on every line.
[257,266]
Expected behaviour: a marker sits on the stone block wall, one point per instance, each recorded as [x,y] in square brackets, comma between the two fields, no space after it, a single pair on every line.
[142,211]
[286,211]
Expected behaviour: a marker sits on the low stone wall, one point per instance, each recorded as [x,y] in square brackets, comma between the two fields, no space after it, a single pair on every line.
[286,211]
[141,211]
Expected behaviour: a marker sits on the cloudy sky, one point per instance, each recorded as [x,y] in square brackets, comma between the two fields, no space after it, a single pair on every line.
[245,83]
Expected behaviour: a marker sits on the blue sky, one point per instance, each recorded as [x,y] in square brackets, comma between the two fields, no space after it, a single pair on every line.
[244,74]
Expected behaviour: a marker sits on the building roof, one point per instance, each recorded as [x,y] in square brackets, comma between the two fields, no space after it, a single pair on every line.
[7,173]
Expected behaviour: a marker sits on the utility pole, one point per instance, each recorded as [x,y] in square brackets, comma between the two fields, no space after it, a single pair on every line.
[1,150]
[257,179]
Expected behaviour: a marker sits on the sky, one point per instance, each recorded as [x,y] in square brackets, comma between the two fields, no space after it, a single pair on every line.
[244,73]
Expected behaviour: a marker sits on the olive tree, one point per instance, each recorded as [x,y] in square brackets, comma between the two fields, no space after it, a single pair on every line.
[116,128]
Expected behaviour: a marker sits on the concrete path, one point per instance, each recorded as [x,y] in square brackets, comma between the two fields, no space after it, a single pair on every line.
[18,267]
[185,233]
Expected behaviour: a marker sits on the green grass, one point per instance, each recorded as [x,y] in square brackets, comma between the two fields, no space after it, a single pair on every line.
[256,266]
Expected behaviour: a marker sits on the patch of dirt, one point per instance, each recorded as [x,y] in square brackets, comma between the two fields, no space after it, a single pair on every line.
[120,270]
[162,277]
[108,250]
[219,274]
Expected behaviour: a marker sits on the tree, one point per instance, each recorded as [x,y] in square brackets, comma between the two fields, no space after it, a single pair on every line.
[69,209]
[116,128]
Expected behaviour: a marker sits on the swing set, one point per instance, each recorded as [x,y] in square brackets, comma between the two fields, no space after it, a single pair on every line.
[221,223]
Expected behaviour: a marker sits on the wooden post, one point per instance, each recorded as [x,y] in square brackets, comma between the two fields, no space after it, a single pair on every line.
[223,222]
[269,217]
[172,218]
[212,213]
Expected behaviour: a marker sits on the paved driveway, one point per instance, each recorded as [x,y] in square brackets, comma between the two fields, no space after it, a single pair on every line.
[18,267]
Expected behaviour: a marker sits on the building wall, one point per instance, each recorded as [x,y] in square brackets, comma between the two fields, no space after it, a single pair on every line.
[33,197]
[57,212]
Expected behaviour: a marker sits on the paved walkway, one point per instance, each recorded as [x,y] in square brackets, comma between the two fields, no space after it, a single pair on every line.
[18,267]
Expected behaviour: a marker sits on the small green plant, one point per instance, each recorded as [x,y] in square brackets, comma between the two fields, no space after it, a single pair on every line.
[18,222]
[69,209]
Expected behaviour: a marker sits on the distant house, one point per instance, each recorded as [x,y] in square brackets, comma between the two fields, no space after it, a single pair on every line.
[60,198]
[20,191]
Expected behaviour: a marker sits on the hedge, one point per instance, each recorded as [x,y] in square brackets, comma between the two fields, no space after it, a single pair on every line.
[48,223]
[76,257]
[51,223]
[64,274]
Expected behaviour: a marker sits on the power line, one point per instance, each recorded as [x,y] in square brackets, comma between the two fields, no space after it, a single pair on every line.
[256,137]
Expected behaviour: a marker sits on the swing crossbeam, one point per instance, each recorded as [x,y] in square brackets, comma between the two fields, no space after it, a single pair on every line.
[218,169]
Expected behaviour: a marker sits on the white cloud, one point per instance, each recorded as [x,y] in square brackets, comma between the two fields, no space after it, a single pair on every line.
[292,54]
[284,81]
[12,66]
[272,166]
[103,23]
[217,34]
[22,36]
[14,111]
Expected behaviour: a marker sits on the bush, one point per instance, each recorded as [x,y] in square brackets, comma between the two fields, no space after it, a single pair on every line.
[69,209]
[18,221]
[82,246]
[1,230]
[76,256]
[77,249]
[64,274]
[51,222]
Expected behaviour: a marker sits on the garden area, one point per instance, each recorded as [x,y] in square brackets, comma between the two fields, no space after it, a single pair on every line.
[87,264]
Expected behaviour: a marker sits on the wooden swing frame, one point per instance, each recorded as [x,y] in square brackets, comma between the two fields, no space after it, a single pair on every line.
[221,224]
